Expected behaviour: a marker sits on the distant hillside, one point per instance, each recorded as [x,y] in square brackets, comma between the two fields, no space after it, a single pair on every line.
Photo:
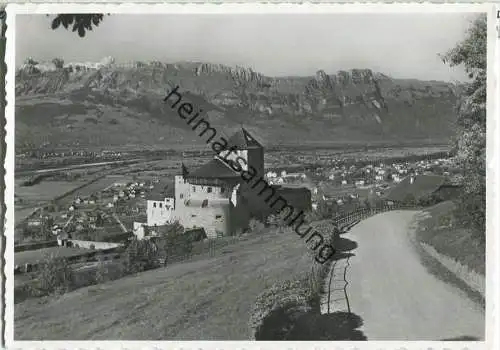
[121,106]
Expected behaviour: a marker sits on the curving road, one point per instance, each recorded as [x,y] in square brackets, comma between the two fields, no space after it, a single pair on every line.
[392,293]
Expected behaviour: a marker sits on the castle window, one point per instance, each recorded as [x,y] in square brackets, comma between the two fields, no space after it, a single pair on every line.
[154,205]
[205,203]
[218,216]
[222,190]
[209,189]
[160,205]
[193,215]
[194,188]
[181,195]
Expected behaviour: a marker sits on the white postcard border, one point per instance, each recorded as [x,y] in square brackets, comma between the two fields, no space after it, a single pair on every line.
[493,249]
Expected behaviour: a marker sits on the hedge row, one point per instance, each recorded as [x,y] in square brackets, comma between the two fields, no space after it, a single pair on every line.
[277,309]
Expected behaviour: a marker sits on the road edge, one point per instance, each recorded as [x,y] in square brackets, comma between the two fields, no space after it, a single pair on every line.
[437,266]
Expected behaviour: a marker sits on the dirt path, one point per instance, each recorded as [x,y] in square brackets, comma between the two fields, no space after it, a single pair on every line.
[393,293]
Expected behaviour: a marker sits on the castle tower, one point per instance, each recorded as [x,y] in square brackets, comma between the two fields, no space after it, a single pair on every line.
[244,145]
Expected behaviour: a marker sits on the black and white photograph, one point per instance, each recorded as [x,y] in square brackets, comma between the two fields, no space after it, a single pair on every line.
[221,174]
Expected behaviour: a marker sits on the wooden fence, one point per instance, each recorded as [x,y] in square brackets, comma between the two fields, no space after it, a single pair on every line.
[35,245]
[348,219]
[85,256]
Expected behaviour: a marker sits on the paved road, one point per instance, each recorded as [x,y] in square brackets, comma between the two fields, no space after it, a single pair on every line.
[393,293]
[76,166]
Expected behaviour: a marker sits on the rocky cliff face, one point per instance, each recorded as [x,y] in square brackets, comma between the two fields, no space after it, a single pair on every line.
[358,104]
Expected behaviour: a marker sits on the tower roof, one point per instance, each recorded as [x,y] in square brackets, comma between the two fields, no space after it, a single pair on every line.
[243,140]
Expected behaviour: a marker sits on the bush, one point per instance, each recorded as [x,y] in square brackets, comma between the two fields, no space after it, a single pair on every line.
[174,243]
[55,275]
[275,310]
[409,199]
[278,223]
[102,271]
[471,213]
[432,199]
[256,226]
[58,63]
[311,216]
[273,220]
[140,255]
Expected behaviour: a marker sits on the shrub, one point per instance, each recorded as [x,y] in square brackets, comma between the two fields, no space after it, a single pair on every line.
[173,242]
[102,271]
[409,199]
[256,226]
[55,275]
[471,212]
[140,255]
[58,63]
[275,220]
[239,232]
[311,216]
[275,310]
[432,199]
[316,282]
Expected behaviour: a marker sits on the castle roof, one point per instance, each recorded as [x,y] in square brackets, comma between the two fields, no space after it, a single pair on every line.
[217,168]
[162,190]
[214,169]
[243,140]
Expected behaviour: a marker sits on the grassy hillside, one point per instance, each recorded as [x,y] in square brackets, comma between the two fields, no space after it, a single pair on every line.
[437,229]
[207,299]
[451,251]
[122,105]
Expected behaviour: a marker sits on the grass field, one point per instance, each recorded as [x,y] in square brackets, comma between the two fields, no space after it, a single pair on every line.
[22,214]
[45,190]
[454,242]
[100,184]
[207,299]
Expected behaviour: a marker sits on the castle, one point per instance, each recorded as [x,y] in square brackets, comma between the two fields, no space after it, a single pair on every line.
[214,197]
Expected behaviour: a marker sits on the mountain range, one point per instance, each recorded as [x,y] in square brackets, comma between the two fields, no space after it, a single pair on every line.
[121,106]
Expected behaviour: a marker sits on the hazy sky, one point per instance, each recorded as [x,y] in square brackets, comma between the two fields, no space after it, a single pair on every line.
[399,45]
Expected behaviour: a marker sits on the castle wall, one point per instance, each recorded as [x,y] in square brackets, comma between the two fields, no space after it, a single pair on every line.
[214,218]
[215,208]
[160,212]
[195,206]
[256,159]
[261,205]
[138,230]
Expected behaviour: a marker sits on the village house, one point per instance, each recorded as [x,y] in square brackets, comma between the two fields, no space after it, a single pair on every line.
[271,174]
[418,187]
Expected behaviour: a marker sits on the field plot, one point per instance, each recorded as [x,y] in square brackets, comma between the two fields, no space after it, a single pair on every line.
[395,152]
[100,185]
[45,190]
[32,196]
[22,214]
[206,299]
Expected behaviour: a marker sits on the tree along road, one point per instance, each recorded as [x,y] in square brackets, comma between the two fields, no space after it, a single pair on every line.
[393,293]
